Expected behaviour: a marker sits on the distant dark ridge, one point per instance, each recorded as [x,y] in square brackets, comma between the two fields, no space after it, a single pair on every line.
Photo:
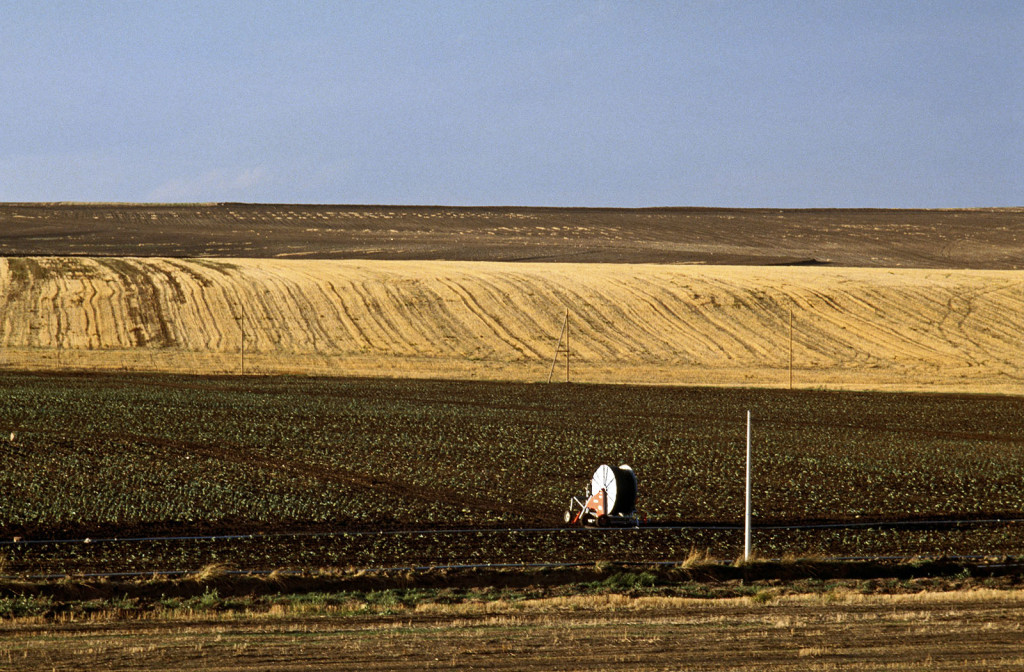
[969,238]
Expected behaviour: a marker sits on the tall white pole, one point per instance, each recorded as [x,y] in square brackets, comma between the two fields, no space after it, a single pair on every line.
[746,517]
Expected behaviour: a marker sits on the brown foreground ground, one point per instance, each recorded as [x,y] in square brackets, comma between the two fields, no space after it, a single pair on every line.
[968,630]
[788,615]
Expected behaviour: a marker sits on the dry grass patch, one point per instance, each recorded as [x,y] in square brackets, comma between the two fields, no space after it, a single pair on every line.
[698,558]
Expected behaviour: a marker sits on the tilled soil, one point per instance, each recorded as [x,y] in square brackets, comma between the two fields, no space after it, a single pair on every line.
[266,553]
[973,238]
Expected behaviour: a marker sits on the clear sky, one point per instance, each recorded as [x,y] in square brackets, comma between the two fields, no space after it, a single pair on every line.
[591,103]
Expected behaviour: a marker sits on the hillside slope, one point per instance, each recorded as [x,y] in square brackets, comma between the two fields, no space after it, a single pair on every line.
[861,328]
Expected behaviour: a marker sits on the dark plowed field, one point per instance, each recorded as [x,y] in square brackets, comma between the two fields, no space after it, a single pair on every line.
[977,239]
[335,472]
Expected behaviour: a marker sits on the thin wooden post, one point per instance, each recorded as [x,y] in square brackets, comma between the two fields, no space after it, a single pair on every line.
[241,350]
[564,333]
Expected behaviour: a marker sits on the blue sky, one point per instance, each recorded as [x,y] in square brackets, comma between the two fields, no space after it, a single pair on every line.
[624,104]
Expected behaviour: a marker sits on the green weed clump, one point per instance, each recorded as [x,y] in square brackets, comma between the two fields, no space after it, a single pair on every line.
[22,606]
[626,582]
[209,599]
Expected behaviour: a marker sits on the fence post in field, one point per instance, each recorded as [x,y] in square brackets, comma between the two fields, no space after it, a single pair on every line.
[241,350]
[558,348]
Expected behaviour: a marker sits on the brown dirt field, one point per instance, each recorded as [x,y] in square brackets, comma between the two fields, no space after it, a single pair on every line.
[899,329]
[979,238]
[969,630]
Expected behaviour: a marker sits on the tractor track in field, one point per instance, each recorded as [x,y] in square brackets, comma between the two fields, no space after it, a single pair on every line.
[392,552]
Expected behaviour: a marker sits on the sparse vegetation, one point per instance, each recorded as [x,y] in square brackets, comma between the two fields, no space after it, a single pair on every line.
[104,456]
[360,592]
[660,621]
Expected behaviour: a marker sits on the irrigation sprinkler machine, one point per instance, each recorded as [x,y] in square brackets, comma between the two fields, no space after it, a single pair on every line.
[610,499]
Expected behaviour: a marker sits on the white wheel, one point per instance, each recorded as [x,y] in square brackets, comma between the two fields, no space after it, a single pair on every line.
[619,485]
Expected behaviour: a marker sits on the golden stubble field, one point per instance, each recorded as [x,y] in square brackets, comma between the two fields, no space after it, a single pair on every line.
[968,630]
[865,328]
